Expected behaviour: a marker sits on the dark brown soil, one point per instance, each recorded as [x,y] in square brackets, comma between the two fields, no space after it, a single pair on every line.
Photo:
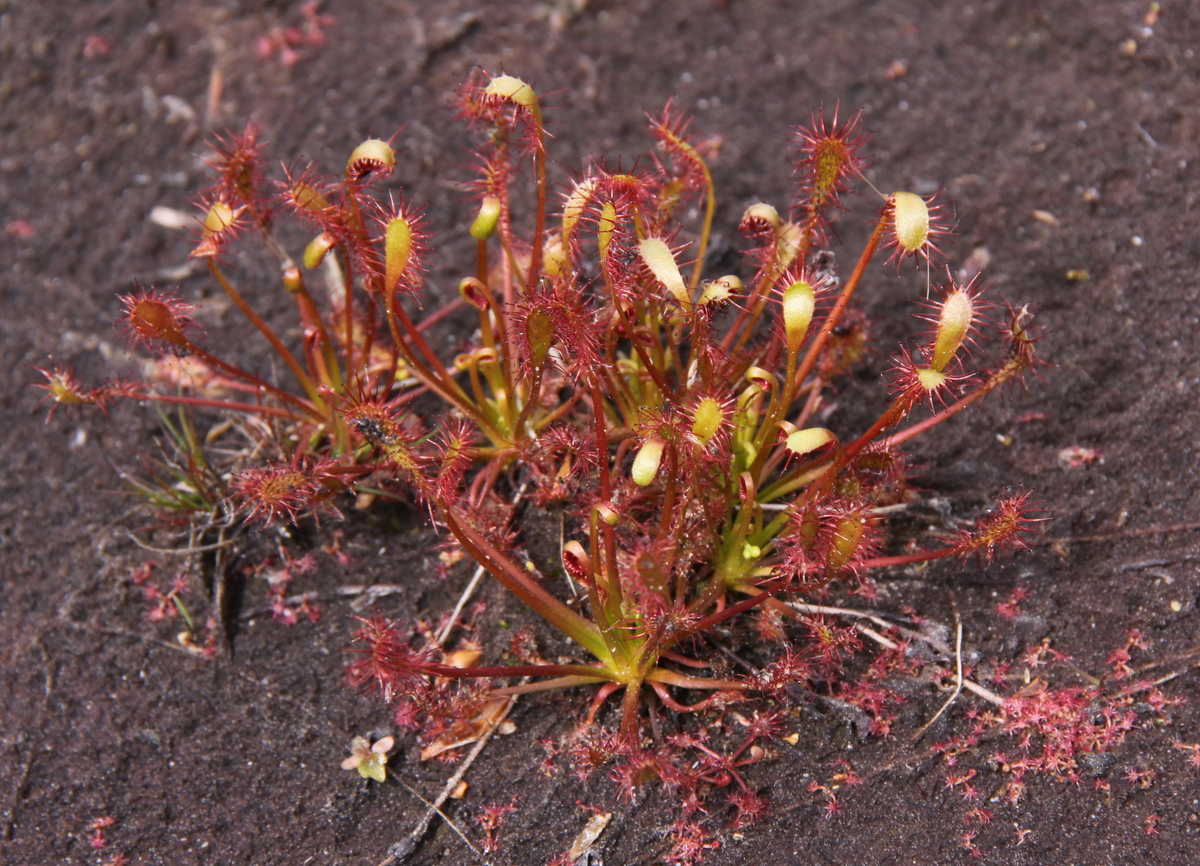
[1076,109]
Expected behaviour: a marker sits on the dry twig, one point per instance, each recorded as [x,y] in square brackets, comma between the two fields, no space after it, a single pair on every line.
[958,685]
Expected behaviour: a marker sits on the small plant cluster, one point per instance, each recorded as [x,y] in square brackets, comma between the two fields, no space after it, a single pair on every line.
[674,417]
[1068,732]
[290,42]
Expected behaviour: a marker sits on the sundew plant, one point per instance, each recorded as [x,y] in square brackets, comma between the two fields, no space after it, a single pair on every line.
[670,414]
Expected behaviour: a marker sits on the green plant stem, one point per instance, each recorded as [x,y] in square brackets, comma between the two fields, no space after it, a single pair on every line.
[561,410]
[580,672]
[507,362]
[550,685]
[909,558]
[258,385]
[609,568]
[531,398]
[835,315]
[710,208]
[277,344]
[583,632]
[814,388]
[759,594]
[628,332]
[831,320]
[539,224]
[790,483]
[629,711]
[308,310]
[481,261]
[311,313]
[249,408]
[355,222]
[756,302]
[683,681]
[435,377]
[810,225]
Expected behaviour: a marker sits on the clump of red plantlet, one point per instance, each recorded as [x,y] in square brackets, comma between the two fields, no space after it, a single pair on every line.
[690,840]
[1009,607]
[672,416]
[490,818]
[1194,748]
[172,600]
[97,828]
[967,841]
[1120,658]
[289,42]
[1060,731]
[879,704]
[829,792]
[279,578]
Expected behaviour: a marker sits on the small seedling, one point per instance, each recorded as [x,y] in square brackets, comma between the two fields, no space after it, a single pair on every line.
[370,759]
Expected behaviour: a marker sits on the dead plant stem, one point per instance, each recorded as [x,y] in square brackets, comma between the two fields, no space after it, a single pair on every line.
[958,685]
[450,822]
[472,585]
[968,684]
